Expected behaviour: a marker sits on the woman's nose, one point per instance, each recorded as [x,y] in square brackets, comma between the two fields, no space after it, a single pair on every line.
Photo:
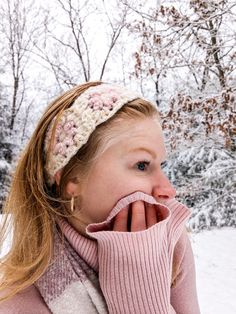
[163,188]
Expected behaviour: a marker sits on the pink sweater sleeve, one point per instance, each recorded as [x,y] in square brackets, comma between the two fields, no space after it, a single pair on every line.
[184,293]
[135,267]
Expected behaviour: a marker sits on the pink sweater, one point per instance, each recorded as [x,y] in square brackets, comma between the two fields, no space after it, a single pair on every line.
[130,282]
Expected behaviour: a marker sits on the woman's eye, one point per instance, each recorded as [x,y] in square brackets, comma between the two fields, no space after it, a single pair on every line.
[141,165]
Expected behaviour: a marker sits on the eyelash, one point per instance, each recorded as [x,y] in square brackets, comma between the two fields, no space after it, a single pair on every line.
[163,164]
[147,163]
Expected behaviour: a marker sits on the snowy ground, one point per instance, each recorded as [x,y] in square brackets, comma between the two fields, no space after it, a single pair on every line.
[215,259]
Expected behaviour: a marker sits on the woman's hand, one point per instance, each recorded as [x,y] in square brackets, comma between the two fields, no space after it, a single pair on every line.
[137,217]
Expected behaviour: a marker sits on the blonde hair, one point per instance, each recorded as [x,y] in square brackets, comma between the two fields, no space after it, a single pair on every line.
[33,206]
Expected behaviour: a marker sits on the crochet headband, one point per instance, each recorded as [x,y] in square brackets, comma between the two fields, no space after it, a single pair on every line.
[94,106]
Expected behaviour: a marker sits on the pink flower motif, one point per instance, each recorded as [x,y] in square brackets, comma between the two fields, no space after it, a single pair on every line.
[68,142]
[108,103]
[65,132]
[73,131]
[68,125]
[59,149]
[106,98]
[95,103]
[70,133]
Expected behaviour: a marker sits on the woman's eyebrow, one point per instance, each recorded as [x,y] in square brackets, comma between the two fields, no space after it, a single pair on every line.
[152,153]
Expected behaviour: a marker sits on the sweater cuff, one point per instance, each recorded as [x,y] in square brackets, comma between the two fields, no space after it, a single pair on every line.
[95,230]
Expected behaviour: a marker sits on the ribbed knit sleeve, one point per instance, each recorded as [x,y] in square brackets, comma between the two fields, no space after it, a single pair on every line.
[135,267]
[184,293]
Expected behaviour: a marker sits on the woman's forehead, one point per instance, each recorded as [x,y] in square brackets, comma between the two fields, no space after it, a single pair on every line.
[139,135]
[141,130]
[129,127]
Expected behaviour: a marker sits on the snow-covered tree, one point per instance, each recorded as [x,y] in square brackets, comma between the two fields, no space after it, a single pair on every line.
[6,147]
[20,28]
[201,137]
[189,46]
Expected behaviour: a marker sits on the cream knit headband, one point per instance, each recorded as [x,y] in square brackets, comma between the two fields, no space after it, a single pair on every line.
[94,106]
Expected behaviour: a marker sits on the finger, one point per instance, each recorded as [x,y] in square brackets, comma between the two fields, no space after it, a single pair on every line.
[120,222]
[138,221]
[151,215]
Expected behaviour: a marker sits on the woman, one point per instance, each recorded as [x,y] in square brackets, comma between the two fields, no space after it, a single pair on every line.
[96,228]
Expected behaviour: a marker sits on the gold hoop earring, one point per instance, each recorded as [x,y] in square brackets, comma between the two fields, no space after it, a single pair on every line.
[72,204]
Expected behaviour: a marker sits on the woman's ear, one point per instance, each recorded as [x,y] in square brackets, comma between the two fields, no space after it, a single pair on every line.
[72,188]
